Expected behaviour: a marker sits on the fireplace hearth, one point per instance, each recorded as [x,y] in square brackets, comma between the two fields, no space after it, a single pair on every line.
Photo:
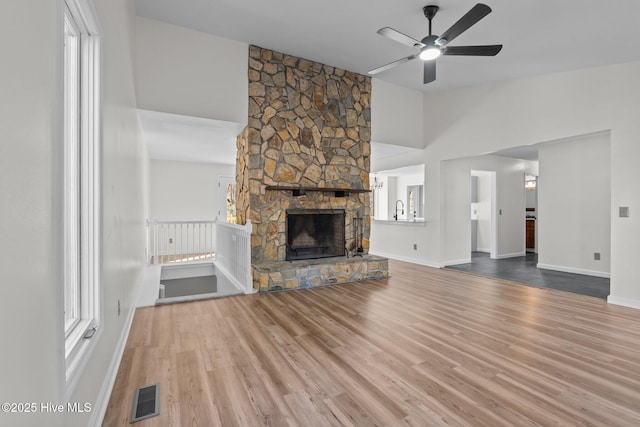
[315,233]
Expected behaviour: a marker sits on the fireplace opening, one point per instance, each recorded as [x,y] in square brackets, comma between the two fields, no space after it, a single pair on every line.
[315,233]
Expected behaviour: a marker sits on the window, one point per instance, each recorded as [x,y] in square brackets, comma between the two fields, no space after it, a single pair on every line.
[81,184]
[375,185]
[227,199]
[530,182]
[411,205]
[415,203]
[231,202]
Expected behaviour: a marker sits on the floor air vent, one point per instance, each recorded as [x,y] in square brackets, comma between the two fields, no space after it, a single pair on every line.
[146,403]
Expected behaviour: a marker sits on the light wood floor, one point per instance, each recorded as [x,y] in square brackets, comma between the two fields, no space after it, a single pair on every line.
[426,347]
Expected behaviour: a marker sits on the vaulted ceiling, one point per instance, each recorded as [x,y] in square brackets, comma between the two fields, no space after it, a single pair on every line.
[538,36]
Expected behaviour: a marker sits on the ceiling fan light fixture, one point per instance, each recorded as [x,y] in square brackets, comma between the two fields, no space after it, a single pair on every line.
[430,53]
[432,46]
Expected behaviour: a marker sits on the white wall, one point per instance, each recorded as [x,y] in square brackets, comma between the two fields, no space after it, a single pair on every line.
[32,358]
[185,191]
[30,127]
[625,252]
[392,195]
[396,115]
[486,118]
[574,217]
[187,72]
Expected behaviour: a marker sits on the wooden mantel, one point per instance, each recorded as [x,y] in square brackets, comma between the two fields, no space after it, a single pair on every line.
[300,191]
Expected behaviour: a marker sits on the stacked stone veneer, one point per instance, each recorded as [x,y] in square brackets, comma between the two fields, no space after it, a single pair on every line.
[278,276]
[309,126]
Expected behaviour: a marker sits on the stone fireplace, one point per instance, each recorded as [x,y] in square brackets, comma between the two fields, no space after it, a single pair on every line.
[306,151]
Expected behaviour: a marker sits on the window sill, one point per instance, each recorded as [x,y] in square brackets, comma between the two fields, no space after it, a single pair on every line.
[79,354]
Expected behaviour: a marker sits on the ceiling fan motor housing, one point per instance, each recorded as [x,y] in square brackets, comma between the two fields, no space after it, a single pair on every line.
[429,41]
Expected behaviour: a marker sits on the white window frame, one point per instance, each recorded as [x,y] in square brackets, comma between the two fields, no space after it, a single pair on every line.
[82,159]
[71,177]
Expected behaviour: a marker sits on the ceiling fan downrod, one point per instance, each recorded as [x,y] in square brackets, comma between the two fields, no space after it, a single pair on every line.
[429,12]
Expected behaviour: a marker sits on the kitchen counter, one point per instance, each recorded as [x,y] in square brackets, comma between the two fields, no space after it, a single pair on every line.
[405,222]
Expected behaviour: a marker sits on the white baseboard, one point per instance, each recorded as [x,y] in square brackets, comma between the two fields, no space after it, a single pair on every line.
[625,302]
[486,251]
[456,262]
[102,402]
[406,259]
[514,255]
[107,386]
[573,270]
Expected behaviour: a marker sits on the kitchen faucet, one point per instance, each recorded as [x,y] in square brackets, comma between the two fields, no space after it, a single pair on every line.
[401,210]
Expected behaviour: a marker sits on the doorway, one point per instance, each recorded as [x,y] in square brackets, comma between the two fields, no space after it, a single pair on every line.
[484,230]
[531,213]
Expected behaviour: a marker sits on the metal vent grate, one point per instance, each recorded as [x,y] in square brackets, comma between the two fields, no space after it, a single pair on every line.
[146,403]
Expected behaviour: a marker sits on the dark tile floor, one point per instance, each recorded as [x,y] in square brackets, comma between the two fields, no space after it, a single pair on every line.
[523,269]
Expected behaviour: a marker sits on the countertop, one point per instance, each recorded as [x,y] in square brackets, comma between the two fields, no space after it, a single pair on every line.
[405,222]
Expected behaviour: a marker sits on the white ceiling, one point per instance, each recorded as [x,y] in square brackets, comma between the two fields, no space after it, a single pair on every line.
[189,139]
[403,171]
[382,151]
[193,139]
[527,152]
[531,152]
[538,36]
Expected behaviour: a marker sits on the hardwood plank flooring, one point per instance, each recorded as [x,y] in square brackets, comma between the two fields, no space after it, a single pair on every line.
[425,347]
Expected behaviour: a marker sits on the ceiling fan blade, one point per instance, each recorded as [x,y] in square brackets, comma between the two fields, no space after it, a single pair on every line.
[489,50]
[397,36]
[429,71]
[476,13]
[392,64]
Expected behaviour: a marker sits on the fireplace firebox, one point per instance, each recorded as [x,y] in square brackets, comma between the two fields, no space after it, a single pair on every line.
[315,233]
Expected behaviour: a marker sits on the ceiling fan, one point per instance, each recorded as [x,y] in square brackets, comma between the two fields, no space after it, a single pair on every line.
[432,46]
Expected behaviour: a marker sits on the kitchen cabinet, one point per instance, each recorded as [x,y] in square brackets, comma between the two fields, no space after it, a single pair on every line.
[530,235]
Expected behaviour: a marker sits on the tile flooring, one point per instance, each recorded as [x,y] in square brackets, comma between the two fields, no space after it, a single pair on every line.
[523,269]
